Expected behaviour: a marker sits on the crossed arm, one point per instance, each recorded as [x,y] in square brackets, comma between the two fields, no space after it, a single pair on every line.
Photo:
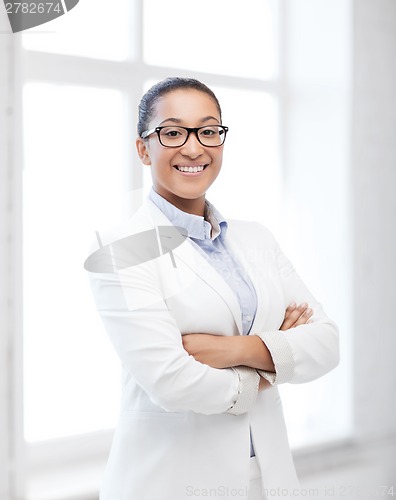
[221,351]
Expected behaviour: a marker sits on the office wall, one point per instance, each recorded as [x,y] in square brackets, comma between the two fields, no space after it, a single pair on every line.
[344,104]
[374,216]
[366,467]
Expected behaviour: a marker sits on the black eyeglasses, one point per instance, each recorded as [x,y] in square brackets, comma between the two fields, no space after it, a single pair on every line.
[173,137]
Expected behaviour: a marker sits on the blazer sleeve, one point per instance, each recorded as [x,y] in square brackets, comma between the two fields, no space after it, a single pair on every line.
[306,352]
[149,344]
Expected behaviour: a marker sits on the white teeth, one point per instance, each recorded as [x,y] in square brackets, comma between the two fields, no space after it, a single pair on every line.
[191,169]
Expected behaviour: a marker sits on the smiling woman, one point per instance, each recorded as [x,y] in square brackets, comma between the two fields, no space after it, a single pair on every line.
[206,336]
[183,173]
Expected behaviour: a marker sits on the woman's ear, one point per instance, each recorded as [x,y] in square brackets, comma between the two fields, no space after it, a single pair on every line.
[143,151]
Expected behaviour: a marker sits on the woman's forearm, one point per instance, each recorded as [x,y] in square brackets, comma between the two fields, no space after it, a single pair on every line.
[225,352]
[249,350]
[256,354]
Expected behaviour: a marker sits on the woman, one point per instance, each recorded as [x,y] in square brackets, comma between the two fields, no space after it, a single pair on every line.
[202,313]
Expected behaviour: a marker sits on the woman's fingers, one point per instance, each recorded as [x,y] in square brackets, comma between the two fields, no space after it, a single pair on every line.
[287,322]
[296,315]
[304,318]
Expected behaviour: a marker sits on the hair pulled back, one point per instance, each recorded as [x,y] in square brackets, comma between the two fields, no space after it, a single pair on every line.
[148,101]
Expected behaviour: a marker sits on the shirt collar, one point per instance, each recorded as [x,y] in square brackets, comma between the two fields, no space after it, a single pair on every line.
[196,226]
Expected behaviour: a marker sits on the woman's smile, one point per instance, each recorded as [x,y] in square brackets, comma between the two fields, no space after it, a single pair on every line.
[190,170]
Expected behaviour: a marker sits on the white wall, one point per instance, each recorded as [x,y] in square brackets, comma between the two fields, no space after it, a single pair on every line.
[362,467]
[334,97]
[374,185]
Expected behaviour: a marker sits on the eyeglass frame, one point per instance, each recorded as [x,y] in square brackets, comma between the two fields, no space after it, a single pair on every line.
[146,133]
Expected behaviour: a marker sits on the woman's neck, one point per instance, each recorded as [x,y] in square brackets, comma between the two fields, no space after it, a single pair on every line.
[194,206]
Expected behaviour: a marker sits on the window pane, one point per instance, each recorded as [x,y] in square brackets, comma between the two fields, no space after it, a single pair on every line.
[75,150]
[251,170]
[221,36]
[94,28]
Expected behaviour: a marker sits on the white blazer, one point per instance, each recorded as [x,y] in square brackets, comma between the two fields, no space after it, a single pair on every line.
[175,439]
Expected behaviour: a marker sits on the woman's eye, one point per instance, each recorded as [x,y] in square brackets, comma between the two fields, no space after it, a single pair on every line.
[209,131]
[171,132]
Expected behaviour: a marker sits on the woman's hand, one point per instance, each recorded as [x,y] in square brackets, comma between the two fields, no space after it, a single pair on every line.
[296,315]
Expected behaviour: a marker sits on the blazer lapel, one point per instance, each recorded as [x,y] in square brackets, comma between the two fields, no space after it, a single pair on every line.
[191,256]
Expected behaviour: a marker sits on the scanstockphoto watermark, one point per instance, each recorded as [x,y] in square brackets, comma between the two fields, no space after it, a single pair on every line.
[228,492]
[25,15]
[220,491]
[335,491]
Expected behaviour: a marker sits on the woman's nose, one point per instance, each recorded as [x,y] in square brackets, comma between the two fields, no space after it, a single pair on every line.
[192,148]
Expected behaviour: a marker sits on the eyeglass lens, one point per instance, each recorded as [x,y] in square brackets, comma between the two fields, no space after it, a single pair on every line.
[212,135]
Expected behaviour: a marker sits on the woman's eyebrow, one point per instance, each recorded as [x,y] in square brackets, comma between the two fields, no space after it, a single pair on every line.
[174,120]
[207,118]
[178,120]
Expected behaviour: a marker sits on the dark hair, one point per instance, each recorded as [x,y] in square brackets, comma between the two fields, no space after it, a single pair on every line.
[148,101]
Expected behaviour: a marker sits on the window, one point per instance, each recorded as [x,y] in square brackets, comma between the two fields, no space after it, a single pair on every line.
[73,173]
[79,87]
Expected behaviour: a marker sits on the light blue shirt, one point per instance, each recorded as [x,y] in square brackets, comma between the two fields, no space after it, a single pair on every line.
[214,249]
[210,239]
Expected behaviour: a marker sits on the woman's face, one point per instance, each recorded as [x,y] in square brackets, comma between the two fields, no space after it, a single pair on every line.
[186,108]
